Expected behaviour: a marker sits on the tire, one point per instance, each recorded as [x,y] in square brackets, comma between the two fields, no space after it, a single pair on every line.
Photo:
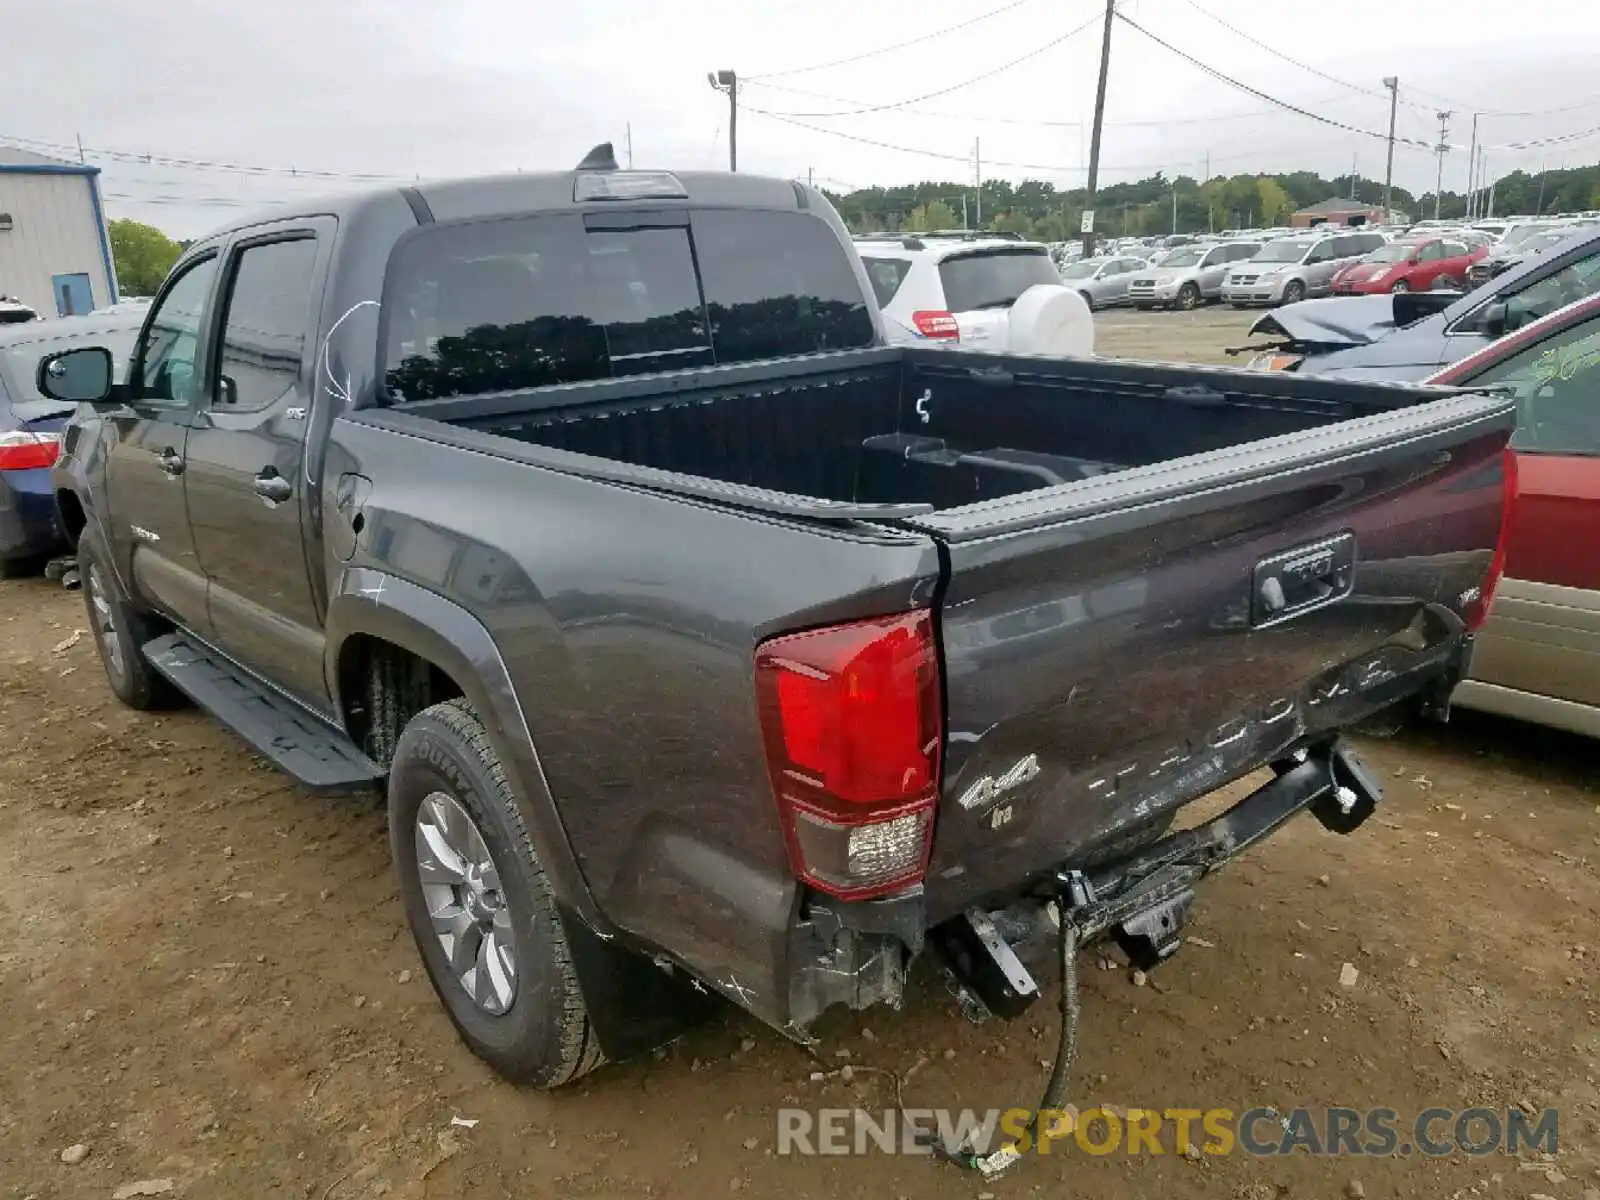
[119,632]
[1293,292]
[541,1034]
[1400,285]
[1448,283]
[1088,299]
[1188,297]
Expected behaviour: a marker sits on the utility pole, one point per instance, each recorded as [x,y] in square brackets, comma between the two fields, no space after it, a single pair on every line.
[811,177]
[1491,184]
[1087,229]
[1539,207]
[1392,82]
[1174,207]
[81,158]
[977,175]
[1354,161]
[728,81]
[629,131]
[1472,168]
[1441,149]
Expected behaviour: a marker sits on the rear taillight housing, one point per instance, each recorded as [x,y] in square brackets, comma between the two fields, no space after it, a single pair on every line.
[936,323]
[24,449]
[851,717]
[1477,612]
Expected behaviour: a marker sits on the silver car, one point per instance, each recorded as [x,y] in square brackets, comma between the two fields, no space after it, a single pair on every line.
[1102,281]
[1292,268]
[1188,276]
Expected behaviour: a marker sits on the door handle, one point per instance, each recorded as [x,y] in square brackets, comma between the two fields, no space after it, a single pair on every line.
[171,461]
[273,487]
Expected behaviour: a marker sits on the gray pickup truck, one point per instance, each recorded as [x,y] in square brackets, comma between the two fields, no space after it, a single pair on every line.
[707,646]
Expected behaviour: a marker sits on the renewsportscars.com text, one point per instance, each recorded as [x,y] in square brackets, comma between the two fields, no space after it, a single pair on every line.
[1258,1132]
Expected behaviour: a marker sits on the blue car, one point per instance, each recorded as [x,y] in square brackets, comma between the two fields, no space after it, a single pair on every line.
[30,428]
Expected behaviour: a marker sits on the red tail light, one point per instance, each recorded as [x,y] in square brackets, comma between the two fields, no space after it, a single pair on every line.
[24,449]
[851,718]
[936,324]
[1477,612]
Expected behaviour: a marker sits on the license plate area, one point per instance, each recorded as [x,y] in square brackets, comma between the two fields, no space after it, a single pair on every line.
[1302,580]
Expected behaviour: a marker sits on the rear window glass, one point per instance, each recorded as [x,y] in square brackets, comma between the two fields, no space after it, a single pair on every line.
[535,301]
[994,278]
[886,274]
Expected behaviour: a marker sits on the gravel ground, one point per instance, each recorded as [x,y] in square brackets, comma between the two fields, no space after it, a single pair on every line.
[208,982]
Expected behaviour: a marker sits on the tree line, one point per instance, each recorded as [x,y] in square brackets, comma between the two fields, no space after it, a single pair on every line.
[1038,209]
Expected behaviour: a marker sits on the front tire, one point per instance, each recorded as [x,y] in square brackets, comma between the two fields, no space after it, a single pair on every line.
[1400,285]
[120,632]
[1293,292]
[1088,299]
[1188,297]
[479,905]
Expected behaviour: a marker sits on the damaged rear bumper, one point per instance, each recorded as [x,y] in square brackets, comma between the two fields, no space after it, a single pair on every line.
[857,954]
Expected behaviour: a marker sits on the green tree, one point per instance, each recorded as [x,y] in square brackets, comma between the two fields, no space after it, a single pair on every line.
[1276,206]
[935,214]
[143,255]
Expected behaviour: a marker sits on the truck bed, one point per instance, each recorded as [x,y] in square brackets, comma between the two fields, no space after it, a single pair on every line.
[928,428]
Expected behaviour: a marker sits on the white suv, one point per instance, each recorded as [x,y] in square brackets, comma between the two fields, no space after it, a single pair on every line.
[952,288]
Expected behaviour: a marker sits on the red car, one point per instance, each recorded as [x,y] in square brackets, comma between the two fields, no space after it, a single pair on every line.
[1424,264]
[1538,656]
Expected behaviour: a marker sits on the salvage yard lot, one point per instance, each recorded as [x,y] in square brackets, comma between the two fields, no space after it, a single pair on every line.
[207,979]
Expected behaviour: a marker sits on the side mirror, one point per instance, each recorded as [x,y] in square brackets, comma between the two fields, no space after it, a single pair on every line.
[1494,319]
[77,376]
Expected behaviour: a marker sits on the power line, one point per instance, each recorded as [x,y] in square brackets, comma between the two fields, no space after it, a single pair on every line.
[1055,168]
[1035,122]
[1260,95]
[954,87]
[918,40]
[200,164]
[1293,62]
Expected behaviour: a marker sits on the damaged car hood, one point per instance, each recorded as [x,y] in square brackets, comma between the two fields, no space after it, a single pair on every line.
[1332,321]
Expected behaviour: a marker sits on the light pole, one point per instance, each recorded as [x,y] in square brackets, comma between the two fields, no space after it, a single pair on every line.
[728,81]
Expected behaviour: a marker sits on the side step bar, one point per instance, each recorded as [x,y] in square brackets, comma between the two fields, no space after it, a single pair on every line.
[292,739]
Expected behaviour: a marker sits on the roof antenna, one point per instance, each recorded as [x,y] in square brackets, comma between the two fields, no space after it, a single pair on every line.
[601,158]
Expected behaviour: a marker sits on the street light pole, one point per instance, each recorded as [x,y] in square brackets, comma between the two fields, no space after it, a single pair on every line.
[1392,82]
[728,81]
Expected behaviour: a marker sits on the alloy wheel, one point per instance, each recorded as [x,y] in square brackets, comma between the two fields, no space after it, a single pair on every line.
[461,886]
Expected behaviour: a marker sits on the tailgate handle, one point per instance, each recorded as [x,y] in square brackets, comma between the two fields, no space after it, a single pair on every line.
[1304,578]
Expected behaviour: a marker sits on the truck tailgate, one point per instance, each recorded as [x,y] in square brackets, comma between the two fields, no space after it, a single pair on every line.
[1115,648]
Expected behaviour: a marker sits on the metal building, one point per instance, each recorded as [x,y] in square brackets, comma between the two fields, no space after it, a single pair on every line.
[55,255]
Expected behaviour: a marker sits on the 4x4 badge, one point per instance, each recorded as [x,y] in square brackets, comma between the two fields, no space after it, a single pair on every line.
[992,787]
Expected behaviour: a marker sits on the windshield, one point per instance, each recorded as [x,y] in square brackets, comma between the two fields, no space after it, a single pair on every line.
[1188,256]
[1282,252]
[1393,252]
[1542,241]
[1080,270]
[993,278]
[1517,237]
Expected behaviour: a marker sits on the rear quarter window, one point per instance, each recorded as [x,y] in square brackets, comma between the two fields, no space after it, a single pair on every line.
[542,300]
[886,275]
[993,278]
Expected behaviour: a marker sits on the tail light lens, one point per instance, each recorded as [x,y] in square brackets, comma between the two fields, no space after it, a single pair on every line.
[1477,612]
[851,719]
[24,449]
[936,324]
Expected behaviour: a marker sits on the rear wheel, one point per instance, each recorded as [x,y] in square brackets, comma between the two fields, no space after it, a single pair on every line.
[1449,283]
[1188,297]
[1294,292]
[479,905]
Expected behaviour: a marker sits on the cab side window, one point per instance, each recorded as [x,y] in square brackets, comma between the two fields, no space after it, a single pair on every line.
[1539,298]
[1430,252]
[164,363]
[1556,383]
[265,328]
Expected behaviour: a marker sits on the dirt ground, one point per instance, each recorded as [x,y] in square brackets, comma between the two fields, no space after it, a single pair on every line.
[208,981]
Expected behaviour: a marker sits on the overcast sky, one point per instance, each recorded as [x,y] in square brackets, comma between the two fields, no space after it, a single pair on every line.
[416,87]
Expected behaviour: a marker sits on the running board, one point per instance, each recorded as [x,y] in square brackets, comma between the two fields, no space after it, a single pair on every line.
[292,739]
